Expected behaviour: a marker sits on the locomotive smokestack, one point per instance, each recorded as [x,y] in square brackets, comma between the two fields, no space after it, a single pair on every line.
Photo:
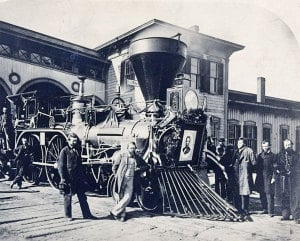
[156,61]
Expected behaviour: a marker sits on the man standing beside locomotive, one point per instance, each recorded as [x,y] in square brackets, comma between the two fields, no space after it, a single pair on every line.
[265,178]
[289,170]
[127,167]
[6,128]
[72,178]
[24,156]
[244,160]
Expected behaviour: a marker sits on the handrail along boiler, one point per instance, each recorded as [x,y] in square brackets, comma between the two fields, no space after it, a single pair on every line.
[169,135]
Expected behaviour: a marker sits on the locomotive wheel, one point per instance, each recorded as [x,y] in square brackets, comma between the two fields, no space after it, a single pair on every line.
[149,196]
[56,143]
[111,187]
[99,173]
[34,172]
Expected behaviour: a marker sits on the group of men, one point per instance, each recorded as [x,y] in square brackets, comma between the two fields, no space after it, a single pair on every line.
[21,156]
[275,174]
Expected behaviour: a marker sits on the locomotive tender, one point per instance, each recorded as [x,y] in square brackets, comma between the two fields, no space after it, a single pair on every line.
[170,134]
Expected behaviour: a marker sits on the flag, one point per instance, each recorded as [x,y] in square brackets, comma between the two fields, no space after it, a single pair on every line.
[151,156]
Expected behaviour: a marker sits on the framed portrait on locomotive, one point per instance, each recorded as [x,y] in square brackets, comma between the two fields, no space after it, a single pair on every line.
[190,147]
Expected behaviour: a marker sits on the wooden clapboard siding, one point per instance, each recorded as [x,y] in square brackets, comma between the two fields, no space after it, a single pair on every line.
[261,118]
[111,84]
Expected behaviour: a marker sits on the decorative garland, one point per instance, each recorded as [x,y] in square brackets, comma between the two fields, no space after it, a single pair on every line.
[14,78]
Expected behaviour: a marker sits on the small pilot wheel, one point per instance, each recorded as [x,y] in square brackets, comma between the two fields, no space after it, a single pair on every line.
[118,102]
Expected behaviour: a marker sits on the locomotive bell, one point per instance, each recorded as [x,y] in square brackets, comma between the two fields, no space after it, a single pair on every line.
[156,61]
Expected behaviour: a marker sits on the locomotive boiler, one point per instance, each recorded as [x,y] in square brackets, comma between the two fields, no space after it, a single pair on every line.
[170,135]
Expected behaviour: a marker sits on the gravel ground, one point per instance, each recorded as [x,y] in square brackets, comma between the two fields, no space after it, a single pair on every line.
[36,213]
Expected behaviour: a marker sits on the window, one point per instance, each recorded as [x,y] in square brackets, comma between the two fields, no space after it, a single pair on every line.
[57,63]
[211,77]
[23,54]
[195,70]
[192,69]
[46,61]
[67,65]
[129,72]
[234,132]
[35,58]
[127,75]
[284,134]
[267,130]
[250,134]
[215,127]
[4,49]
[298,139]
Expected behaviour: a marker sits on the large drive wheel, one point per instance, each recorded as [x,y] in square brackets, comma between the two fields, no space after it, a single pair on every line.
[34,171]
[100,172]
[56,143]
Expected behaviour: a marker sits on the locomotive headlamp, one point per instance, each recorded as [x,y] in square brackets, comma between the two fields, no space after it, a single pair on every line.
[191,100]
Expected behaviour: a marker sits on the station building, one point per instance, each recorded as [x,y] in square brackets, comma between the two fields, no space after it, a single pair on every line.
[33,61]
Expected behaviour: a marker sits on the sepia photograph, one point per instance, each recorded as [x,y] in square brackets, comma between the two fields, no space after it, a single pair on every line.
[149,120]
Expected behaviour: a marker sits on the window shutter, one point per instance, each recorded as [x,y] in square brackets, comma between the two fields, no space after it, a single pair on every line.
[205,74]
[220,81]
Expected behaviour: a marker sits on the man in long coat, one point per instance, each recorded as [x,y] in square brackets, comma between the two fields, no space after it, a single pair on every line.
[127,167]
[243,162]
[289,170]
[72,178]
[265,178]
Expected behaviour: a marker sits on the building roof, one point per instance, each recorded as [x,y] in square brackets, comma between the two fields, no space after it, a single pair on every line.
[8,30]
[249,100]
[127,35]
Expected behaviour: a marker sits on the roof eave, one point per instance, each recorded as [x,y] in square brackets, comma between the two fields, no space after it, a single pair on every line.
[233,46]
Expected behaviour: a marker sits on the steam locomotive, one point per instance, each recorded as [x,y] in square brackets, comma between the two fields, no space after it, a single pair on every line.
[169,132]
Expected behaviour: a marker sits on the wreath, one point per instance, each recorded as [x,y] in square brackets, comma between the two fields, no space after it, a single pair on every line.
[14,78]
[75,86]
